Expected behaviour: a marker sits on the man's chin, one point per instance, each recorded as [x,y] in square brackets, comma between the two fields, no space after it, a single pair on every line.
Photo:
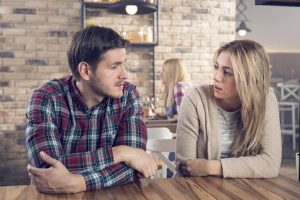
[116,96]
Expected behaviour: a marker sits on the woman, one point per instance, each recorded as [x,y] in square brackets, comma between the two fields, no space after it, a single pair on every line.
[231,128]
[174,78]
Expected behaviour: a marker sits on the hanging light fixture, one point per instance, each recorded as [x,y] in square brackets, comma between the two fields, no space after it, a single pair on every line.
[132,7]
[242,30]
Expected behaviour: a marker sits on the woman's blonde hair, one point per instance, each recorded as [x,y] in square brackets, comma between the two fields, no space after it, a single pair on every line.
[174,72]
[251,67]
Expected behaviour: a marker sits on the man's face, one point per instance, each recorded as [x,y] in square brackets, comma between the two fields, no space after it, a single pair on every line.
[109,77]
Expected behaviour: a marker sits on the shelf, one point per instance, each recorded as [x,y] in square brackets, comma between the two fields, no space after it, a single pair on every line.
[133,44]
[97,5]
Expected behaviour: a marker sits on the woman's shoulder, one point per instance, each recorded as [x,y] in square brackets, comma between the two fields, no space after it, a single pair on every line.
[272,97]
[201,91]
[184,84]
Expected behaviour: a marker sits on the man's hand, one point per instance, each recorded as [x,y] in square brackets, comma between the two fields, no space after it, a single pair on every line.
[135,158]
[56,179]
[201,167]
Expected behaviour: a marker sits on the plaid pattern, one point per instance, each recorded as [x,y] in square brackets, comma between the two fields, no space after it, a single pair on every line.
[60,124]
[179,91]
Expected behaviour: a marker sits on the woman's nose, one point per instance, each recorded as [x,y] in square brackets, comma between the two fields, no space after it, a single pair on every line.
[218,75]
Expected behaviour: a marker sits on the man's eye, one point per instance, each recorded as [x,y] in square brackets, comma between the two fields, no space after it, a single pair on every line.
[216,67]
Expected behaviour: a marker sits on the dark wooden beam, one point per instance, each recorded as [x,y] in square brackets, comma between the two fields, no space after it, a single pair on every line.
[295,3]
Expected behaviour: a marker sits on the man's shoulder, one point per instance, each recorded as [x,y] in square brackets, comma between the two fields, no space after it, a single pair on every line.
[54,87]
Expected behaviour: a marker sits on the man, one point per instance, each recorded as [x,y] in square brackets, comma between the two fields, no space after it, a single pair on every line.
[85,131]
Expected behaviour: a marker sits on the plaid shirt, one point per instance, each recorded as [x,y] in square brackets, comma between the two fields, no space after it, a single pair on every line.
[179,91]
[60,124]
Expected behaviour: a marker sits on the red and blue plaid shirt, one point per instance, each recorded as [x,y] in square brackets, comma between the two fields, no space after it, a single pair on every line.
[178,93]
[59,123]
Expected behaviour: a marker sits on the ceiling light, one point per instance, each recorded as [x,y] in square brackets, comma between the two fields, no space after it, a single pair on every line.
[241,7]
[131,9]
[128,6]
[243,29]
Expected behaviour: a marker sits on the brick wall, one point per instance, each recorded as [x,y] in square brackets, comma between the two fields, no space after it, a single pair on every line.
[33,39]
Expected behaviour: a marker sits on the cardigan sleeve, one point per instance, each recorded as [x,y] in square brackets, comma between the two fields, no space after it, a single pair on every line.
[267,163]
[187,129]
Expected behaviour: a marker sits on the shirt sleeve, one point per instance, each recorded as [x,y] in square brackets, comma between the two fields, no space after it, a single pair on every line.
[98,166]
[132,132]
[178,95]
[42,134]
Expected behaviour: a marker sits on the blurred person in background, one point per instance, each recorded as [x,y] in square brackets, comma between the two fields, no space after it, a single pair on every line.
[174,78]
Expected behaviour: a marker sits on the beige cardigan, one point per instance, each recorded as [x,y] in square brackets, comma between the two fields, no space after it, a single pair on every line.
[198,136]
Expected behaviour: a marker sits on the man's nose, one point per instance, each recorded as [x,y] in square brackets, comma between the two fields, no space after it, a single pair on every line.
[123,73]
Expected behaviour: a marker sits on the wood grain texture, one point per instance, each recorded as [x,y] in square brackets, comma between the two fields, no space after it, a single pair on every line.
[189,188]
[124,192]
[233,188]
[171,189]
[282,186]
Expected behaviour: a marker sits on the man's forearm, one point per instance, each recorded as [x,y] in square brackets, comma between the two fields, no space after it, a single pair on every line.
[119,155]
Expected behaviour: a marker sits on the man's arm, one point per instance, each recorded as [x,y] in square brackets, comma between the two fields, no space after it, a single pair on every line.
[50,180]
[131,141]
[42,134]
[117,172]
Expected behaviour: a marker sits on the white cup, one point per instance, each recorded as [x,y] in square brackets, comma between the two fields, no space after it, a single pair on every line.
[297,165]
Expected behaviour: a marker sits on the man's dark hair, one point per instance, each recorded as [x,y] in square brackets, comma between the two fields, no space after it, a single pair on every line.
[89,45]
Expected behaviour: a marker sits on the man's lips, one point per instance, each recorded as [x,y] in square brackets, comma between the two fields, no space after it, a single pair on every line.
[120,84]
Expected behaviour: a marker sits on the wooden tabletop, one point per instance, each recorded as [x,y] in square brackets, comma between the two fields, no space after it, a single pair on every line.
[174,189]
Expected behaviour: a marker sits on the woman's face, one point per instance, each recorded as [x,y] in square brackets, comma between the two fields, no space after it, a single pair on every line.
[224,82]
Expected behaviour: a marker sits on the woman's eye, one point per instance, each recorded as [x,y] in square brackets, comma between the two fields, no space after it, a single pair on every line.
[228,72]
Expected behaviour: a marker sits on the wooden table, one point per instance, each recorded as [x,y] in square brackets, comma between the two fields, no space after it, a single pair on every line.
[173,189]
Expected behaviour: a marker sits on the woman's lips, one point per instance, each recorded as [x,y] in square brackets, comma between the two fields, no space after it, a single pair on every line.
[217,88]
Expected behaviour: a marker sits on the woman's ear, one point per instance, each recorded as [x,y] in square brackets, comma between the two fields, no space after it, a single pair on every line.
[84,70]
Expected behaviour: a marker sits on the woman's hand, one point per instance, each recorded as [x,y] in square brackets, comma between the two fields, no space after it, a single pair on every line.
[201,167]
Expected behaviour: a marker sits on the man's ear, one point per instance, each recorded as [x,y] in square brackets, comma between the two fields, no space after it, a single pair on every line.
[84,70]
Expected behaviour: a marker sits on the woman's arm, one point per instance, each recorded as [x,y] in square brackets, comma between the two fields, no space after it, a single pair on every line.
[187,129]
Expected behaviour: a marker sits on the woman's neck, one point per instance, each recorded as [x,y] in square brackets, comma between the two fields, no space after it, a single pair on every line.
[229,105]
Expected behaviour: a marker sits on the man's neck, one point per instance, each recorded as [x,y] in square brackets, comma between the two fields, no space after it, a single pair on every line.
[87,95]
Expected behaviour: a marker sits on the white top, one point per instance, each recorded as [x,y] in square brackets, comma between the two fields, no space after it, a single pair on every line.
[228,129]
